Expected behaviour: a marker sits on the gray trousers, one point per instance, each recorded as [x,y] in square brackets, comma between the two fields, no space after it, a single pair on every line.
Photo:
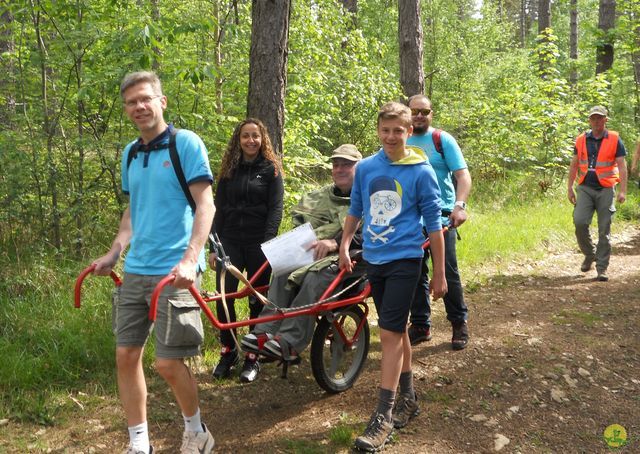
[296,331]
[589,201]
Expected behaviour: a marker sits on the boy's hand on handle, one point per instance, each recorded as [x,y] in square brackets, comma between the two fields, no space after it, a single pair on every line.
[438,286]
[185,272]
[345,261]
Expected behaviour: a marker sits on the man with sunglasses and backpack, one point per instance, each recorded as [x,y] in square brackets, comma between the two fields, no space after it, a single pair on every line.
[454,181]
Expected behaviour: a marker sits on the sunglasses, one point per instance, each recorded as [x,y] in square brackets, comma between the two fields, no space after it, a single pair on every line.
[424,112]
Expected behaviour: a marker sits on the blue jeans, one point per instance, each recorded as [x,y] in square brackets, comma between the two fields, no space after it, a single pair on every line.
[454,299]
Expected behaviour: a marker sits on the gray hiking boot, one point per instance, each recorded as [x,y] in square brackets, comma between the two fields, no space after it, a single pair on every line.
[404,410]
[587,264]
[376,435]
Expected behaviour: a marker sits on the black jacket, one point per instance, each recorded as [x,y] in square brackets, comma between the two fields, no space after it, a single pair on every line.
[249,204]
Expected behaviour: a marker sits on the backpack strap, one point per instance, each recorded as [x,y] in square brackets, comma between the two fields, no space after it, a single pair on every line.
[133,152]
[177,167]
[175,162]
[437,141]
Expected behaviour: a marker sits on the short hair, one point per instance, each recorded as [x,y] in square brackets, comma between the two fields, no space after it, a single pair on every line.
[139,77]
[395,111]
[418,96]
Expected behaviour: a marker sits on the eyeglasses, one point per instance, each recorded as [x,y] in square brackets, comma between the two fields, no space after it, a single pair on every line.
[424,112]
[145,101]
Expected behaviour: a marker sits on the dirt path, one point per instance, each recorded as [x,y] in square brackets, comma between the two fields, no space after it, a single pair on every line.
[554,359]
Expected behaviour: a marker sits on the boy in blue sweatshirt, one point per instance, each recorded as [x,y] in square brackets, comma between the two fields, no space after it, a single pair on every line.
[393,192]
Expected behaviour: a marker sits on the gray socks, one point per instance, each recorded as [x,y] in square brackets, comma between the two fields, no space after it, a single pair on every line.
[406,384]
[386,398]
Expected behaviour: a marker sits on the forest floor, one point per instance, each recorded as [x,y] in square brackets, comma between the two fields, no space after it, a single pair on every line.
[553,360]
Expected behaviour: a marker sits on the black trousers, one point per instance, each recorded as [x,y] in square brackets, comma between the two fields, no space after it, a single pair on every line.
[245,257]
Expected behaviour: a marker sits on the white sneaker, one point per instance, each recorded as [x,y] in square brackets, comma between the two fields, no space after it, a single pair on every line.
[197,442]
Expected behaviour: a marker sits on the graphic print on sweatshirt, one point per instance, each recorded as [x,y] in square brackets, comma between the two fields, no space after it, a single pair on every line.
[386,204]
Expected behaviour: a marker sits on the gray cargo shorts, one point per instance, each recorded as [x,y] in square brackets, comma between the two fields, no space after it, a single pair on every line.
[178,327]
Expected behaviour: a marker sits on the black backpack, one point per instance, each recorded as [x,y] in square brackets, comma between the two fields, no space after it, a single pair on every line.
[175,161]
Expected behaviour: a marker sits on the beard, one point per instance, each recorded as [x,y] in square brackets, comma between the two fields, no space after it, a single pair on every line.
[420,129]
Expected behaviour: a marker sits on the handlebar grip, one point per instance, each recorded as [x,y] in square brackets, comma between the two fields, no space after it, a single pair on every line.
[80,279]
[153,308]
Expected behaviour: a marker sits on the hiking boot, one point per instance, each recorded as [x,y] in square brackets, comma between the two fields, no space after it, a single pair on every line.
[377,433]
[587,263]
[418,334]
[250,368]
[460,335]
[132,450]
[254,343]
[405,408]
[197,442]
[602,276]
[228,360]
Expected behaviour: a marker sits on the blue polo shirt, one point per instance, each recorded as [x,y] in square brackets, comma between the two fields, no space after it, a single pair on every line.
[444,166]
[161,217]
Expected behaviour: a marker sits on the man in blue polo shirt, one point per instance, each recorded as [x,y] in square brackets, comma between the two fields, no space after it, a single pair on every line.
[166,236]
[448,164]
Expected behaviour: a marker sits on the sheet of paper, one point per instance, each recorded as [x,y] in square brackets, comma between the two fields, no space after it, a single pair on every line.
[290,251]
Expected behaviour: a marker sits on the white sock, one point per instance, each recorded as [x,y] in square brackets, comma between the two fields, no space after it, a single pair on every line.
[193,423]
[139,437]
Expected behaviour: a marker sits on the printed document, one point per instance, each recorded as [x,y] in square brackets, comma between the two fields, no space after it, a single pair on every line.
[291,250]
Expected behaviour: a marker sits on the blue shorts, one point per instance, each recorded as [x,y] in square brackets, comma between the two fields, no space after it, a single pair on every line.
[392,287]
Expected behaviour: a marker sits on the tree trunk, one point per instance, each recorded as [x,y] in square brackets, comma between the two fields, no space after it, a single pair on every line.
[410,40]
[573,42]
[48,127]
[606,21]
[79,208]
[157,53]
[635,59]
[268,65]
[8,106]
[351,7]
[523,22]
[544,15]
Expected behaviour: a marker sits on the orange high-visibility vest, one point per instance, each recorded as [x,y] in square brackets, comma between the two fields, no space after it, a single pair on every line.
[606,167]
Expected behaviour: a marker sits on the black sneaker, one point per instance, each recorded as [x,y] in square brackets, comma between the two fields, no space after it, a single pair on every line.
[376,435]
[460,336]
[250,368]
[405,408]
[228,360]
[418,334]
[602,276]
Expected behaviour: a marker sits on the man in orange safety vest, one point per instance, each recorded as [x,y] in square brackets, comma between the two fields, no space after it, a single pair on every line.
[599,165]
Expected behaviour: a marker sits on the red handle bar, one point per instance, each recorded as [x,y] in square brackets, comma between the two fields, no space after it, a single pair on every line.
[80,279]
[153,308]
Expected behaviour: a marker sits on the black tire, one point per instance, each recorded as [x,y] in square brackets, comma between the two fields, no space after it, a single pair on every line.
[335,367]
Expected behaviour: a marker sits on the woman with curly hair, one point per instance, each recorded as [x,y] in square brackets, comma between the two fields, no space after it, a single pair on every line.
[248,203]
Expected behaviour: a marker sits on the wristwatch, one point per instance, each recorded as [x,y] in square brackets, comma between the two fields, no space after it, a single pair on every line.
[461,204]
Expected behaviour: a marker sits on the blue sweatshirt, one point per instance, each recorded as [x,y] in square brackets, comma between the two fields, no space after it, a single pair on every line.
[392,197]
